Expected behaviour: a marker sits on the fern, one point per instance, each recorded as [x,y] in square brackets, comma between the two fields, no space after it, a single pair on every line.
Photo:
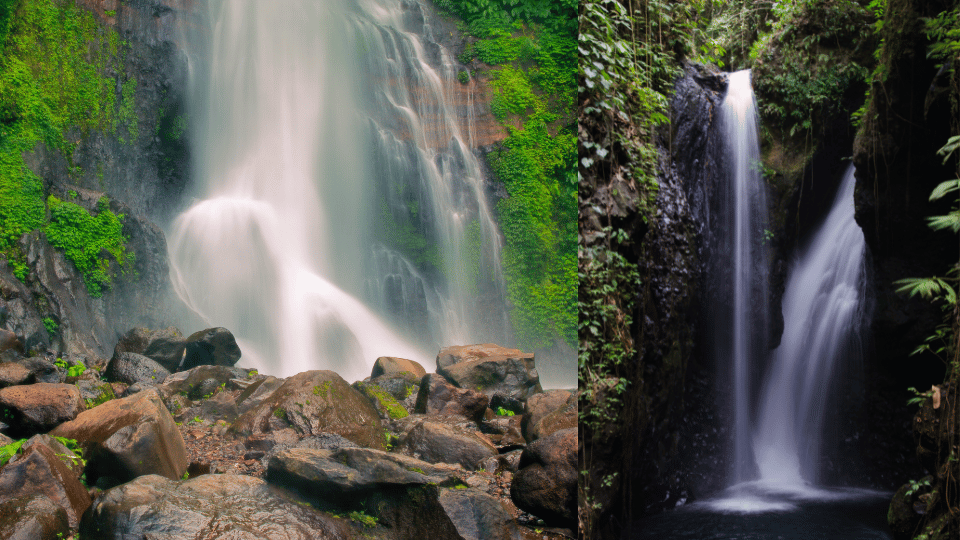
[927,288]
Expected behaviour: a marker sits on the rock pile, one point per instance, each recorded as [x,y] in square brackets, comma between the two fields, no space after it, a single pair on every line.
[169,439]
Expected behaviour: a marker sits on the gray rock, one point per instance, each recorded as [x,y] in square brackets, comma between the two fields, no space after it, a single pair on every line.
[43,369]
[478,516]
[211,506]
[440,443]
[508,376]
[132,368]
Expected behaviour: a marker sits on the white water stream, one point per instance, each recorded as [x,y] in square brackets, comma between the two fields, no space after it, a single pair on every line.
[331,165]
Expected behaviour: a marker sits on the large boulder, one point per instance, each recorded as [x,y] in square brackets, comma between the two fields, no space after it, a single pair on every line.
[202,381]
[211,347]
[13,374]
[438,397]
[43,369]
[33,517]
[349,475]
[389,365]
[38,408]
[478,516]
[314,402]
[549,412]
[165,346]
[133,368]
[508,376]
[129,437]
[440,443]
[546,484]
[45,467]
[211,506]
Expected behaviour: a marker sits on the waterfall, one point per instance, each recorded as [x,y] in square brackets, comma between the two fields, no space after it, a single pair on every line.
[821,311]
[340,211]
[742,330]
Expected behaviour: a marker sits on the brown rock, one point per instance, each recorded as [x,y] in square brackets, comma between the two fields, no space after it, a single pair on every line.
[389,365]
[13,374]
[44,468]
[128,438]
[9,341]
[508,376]
[440,443]
[549,412]
[33,517]
[315,402]
[546,484]
[439,397]
[505,431]
[38,408]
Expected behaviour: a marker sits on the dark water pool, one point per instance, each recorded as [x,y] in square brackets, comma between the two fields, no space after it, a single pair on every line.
[749,515]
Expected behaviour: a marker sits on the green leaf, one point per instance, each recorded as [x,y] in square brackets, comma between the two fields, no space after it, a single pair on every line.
[944,188]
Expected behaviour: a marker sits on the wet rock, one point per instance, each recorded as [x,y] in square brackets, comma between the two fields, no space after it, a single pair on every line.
[546,484]
[38,408]
[315,402]
[508,376]
[166,347]
[389,365]
[440,443]
[211,506]
[504,431]
[348,475]
[549,412]
[438,397]
[22,317]
[211,347]
[385,403]
[202,381]
[478,516]
[133,368]
[129,437]
[33,517]
[45,467]
[12,374]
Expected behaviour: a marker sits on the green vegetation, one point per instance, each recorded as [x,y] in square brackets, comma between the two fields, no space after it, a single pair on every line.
[51,326]
[322,389]
[363,519]
[387,402]
[105,394]
[504,412]
[83,237]
[530,57]
[10,450]
[53,68]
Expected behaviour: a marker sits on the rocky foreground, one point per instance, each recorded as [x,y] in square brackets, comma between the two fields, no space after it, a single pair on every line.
[169,440]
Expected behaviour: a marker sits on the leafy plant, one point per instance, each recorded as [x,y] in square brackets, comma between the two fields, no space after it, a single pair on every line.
[361,517]
[504,412]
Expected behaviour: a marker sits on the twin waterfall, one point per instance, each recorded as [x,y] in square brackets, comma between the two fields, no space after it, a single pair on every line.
[340,211]
[779,445]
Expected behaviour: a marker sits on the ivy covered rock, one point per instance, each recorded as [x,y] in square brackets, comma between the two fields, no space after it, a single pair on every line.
[38,408]
[314,402]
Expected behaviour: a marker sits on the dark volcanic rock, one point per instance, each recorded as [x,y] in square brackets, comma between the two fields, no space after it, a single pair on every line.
[46,467]
[546,484]
[129,437]
[437,396]
[314,402]
[133,368]
[213,347]
[33,517]
[440,443]
[38,408]
[211,506]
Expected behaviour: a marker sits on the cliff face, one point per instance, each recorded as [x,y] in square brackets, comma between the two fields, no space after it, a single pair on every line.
[139,161]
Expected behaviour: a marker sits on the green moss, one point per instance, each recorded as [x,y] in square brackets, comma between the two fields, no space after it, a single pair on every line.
[387,402]
[104,394]
[322,389]
[280,413]
[84,238]
[126,112]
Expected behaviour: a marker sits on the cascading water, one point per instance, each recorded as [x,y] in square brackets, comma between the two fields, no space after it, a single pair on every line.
[822,318]
[744,209]
[332,167]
